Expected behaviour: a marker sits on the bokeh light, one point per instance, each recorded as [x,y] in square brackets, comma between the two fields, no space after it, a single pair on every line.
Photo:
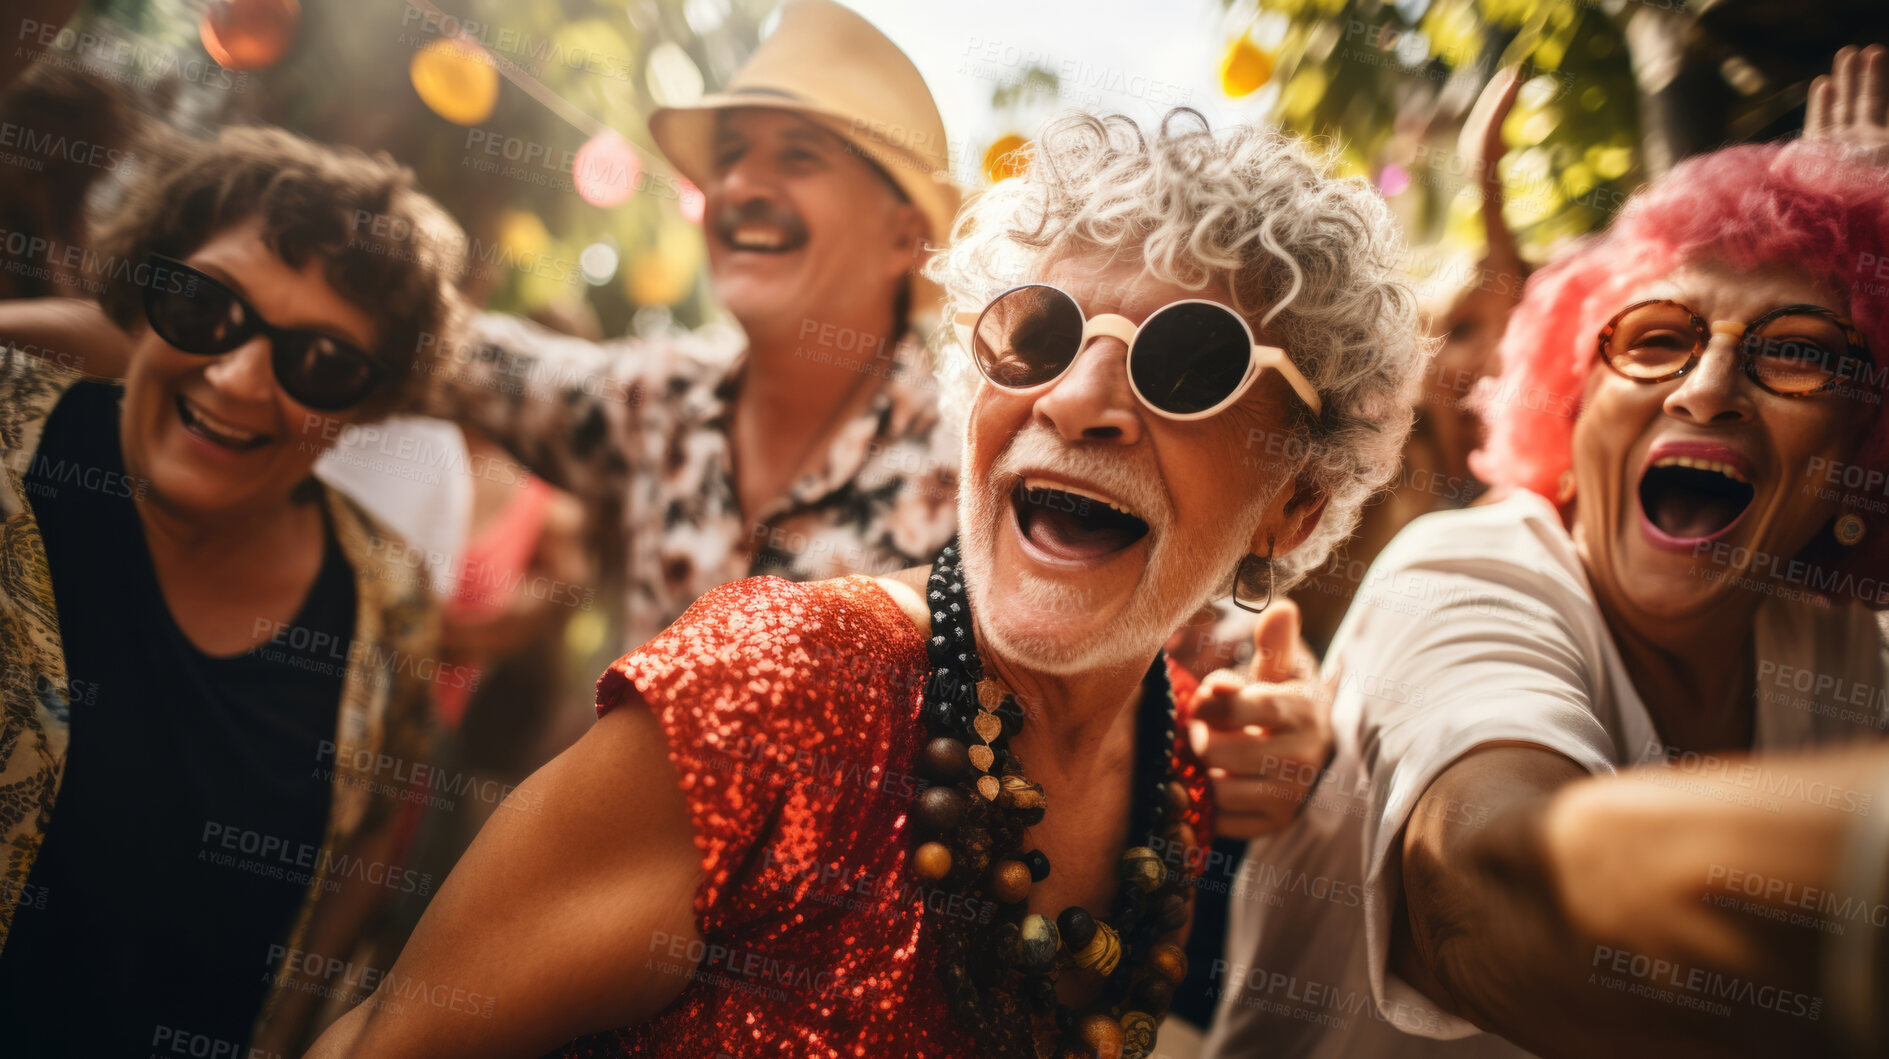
[674,80]
[598,263]
[605,171]
[1244,69]
[249,34]
[1394,180]
[456,80]
[690,200]
[1005,158]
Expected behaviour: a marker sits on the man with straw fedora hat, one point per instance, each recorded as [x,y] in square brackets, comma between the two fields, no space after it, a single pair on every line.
[806,445]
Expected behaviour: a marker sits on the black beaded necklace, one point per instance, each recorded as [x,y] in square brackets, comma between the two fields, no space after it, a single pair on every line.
[1003,971]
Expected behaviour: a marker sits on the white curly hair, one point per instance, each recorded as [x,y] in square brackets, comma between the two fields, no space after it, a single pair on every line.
[1310,260]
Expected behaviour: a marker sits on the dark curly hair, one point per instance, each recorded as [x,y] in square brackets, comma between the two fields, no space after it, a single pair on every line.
[386,247]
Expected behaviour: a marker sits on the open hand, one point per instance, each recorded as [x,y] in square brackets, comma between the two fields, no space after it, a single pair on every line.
[1850,106]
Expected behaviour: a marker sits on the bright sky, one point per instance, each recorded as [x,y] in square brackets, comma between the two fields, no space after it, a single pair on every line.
[1135,57]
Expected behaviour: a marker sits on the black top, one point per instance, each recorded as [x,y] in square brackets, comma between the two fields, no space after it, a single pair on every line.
[195,793]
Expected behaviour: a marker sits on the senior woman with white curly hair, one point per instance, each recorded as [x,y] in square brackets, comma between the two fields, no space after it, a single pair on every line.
[920,815]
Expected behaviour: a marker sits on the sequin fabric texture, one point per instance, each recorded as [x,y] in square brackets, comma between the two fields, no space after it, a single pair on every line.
[792,717]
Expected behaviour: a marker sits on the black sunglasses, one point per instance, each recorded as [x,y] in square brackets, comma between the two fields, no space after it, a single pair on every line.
[195,313]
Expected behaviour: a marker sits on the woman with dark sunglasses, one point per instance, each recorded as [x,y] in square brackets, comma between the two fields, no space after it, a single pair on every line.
[952,812]
[210,658]
[1686,565]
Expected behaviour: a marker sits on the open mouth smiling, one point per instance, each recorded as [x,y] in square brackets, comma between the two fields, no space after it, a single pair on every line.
[1069,524]
[775,233]
[216,430]
[1688,498]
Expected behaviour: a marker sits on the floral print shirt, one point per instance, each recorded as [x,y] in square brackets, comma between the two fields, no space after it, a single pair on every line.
[642,428]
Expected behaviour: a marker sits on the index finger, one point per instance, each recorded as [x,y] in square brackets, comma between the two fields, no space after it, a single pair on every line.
[1271,708]
[1817,110]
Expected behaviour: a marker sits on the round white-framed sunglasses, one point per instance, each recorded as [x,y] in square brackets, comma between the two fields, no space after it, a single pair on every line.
[1200,356]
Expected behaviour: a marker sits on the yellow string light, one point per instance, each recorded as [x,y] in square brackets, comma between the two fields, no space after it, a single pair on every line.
[455,80]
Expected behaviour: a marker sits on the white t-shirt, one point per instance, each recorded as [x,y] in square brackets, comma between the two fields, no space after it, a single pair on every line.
[1472,627]
[412,473]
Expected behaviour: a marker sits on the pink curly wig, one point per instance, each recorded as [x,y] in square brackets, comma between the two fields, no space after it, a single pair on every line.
[1747,206]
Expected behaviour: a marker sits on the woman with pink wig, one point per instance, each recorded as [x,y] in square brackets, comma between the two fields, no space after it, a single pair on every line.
[1685,568]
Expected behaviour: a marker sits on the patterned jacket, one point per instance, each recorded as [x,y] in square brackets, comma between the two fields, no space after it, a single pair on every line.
[383,713]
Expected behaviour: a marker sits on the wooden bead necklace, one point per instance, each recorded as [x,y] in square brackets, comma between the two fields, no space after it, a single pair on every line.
[1001,971]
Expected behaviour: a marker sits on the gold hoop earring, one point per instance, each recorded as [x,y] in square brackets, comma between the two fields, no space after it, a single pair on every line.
[1848,530]
[1250,574]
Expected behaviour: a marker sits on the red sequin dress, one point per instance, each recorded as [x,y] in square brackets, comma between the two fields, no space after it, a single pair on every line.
[792,712]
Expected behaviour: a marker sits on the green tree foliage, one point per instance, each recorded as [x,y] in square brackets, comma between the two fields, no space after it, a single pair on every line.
[1392,83]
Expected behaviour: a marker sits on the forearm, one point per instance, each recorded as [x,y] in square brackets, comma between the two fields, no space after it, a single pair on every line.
[552,401]
[334,933]
[73,333]
[1762,868]
[1488,929]
[341,1038]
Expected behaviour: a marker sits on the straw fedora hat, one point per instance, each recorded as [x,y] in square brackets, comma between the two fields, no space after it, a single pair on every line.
[831,65]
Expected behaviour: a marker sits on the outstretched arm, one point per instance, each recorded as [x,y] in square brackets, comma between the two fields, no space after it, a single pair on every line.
[1579,916]
[566,407]
[557,922]
[73,333]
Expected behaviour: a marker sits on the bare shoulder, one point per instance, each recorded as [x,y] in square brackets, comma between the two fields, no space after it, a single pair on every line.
[907,589]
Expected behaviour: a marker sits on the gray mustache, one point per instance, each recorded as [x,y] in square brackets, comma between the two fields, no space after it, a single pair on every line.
[758,211]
